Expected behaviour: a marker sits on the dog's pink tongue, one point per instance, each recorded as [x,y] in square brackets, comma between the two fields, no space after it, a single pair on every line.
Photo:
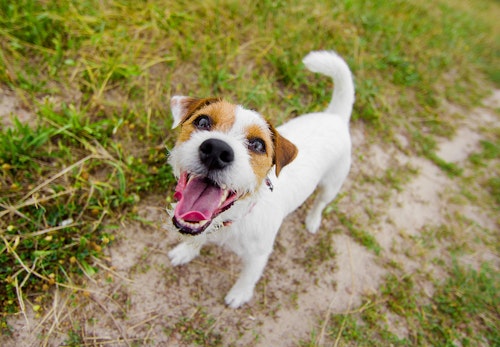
[197,200]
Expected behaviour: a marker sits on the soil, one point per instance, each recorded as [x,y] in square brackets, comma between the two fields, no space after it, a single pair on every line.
[138,298]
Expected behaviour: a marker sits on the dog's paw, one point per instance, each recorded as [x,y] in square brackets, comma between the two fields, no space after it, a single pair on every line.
[183,254]
[313,223]
[238,296]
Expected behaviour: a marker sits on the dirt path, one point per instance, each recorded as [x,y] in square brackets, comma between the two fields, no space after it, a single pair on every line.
[138,298]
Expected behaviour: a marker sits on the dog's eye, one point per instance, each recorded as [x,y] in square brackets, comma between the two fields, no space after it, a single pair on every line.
[257,145]
[203,122]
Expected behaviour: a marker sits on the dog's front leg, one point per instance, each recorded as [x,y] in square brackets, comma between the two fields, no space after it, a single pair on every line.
[242,290]
[184,252]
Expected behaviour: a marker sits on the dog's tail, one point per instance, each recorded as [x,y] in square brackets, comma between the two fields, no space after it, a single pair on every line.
[331,64]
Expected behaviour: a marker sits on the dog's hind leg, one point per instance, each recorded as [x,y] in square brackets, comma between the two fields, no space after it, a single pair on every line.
[327,191]
[313,219]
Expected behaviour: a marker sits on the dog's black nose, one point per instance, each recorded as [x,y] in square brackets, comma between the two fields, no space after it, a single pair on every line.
[216,154]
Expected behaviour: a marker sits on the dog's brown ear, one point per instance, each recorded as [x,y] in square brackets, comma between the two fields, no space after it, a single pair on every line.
[184,107]
[284,151]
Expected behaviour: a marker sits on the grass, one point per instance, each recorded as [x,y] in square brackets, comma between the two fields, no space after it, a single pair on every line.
[363,237]
[463,309]
[196,329]
[320,252]
[96,76]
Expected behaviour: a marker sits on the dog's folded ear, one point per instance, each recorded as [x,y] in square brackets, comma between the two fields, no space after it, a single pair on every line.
[184,107]
[284,150]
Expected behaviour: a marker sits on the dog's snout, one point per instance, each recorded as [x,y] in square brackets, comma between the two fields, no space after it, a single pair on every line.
[216,154]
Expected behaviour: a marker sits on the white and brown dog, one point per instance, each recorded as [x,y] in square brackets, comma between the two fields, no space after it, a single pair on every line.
[239,177]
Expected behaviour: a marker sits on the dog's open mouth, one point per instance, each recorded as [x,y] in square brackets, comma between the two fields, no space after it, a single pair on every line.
[199,201]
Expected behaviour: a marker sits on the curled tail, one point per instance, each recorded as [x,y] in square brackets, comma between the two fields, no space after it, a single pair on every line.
[330,64]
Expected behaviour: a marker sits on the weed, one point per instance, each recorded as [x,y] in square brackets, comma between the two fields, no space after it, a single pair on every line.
[490,150]
[370,330]
[361,236]
[398,292]
[196,329]
[398,177]
[485,166]
[21,146]
[464,309]
[74,338]
[320,252]
[426,146]
[494,188]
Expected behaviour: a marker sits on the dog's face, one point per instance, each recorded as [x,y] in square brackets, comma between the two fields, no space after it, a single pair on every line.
[223,154]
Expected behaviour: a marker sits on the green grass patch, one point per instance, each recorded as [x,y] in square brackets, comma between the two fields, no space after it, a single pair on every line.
[363,237]
[463,309]
[321,252]
[60,181]
[493,186]
[489,150]
[485,162]
[426,146]
[196,330]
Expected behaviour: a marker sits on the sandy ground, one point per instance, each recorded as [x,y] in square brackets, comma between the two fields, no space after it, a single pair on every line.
[138,298]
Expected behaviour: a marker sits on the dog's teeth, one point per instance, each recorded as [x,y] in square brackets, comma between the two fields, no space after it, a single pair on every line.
[193,225]
[224,196]
[223,186]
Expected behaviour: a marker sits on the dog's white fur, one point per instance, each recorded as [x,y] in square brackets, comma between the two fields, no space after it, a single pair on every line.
[323,161]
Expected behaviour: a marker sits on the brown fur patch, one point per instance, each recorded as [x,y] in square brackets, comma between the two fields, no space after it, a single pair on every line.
[221,113]
[261,162]
[284,151]
[191,105]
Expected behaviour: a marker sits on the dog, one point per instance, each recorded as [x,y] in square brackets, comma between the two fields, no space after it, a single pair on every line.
[239,177]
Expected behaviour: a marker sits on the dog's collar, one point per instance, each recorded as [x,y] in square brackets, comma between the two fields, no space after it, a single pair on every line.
[269,184]
[218,224]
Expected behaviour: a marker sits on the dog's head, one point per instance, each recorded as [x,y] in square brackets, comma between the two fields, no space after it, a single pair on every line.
[223,154]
